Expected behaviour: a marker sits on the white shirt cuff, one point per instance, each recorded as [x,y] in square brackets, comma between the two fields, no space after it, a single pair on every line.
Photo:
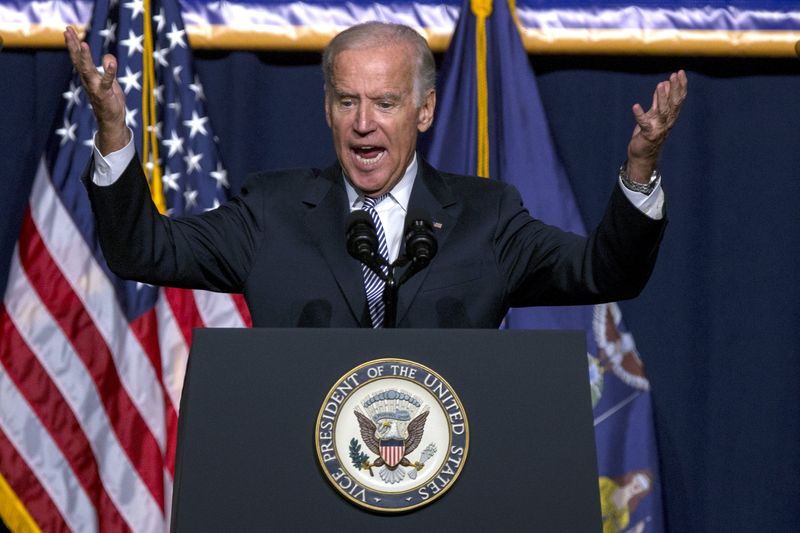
[108,168]
[651,204]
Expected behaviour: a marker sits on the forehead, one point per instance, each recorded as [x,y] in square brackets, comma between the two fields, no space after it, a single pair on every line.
[384,68]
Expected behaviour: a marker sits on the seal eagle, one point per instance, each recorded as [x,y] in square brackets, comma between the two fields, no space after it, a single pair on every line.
[387,436]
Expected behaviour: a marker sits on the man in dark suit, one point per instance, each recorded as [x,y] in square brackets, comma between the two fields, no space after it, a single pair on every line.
[282,243]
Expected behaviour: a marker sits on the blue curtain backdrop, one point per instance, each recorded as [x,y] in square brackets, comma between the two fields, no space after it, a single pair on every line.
[719,324]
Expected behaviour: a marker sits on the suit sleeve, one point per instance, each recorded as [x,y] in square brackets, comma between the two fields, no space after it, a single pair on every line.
[544,265]
[212,251]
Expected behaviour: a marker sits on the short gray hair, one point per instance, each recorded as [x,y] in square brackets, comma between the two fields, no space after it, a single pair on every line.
[377,34]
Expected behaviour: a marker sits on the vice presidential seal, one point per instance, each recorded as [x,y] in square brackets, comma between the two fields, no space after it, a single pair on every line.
[392,435]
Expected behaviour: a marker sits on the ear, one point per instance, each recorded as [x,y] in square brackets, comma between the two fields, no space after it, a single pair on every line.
[328,108]
[425,111]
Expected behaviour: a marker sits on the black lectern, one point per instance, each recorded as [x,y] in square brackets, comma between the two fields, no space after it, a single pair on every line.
[246,459]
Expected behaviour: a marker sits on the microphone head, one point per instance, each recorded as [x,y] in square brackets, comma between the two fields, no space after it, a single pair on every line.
[358,216]
[417,215]
[362,240]
[421,245]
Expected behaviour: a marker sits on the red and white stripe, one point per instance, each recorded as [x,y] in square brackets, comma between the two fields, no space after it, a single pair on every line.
[88,401]
[393,454]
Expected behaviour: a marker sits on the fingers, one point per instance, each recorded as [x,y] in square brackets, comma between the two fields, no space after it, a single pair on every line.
[109,72]
[668,99]
[640,116]
[662,98]
[654,104]
[80,55]
[653,126]
[638,112]
[73,46]
[81,58]
[679,88]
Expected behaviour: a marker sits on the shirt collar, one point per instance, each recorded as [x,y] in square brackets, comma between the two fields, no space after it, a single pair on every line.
[400,193]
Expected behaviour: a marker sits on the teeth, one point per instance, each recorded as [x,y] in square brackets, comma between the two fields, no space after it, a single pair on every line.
[370,161]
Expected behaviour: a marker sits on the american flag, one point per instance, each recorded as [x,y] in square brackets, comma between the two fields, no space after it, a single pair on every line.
[91,366]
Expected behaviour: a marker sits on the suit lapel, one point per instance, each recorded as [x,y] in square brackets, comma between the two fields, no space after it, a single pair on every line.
[326,218]
[432,194]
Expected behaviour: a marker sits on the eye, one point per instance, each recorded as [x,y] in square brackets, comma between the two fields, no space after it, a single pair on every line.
[346,102]
[385,105]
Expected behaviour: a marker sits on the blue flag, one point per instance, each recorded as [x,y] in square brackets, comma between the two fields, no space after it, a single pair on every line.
[490,122]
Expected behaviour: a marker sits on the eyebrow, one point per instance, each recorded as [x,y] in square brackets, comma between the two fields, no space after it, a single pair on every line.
[389,95]
[339,92]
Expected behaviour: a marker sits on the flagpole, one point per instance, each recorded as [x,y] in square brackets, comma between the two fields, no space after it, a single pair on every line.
[150,117]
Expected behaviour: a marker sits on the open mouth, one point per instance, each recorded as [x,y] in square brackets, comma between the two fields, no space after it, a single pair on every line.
[368,155]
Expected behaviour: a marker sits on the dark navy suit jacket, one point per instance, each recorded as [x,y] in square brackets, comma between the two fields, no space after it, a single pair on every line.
[282,243]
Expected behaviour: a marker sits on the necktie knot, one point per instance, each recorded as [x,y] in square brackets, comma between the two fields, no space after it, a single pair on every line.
[370,202]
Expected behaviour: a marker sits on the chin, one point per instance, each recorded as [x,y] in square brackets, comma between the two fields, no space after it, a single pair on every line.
[369,183]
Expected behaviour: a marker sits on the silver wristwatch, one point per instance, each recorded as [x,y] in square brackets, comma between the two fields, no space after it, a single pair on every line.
[635,186]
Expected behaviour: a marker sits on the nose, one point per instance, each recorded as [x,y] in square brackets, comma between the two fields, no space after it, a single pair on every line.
[364,121]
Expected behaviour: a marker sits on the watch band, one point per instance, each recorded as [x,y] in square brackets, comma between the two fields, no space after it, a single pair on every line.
[635,186]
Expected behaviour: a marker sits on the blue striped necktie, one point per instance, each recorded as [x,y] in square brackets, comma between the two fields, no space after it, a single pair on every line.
[372,283]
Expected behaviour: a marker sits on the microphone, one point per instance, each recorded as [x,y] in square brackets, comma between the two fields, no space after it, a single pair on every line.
[362,241]
[421,245]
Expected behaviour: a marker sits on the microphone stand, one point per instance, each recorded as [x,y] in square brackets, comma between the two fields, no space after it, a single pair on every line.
[393,284]
[391,290]
[362,244]
[390,299]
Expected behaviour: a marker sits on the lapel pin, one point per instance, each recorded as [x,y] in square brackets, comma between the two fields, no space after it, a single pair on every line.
[437,225]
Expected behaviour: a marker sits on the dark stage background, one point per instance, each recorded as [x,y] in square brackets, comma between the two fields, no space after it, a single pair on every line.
[719,324]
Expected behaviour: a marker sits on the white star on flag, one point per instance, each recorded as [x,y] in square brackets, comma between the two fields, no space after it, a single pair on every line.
[175,37]
[160,56]
[149,165]
[160,19]
[197,88]
[72,96]
[196,124]
[156,128]
[67,132]
[140,285]
[220,175]
[174,143]
[170,180]
[130,117]
[176,105]
[136,7]
[190,195]
[133,43]
[192,161]
[130,80]
[176,74]
[158,92]
[108,34]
